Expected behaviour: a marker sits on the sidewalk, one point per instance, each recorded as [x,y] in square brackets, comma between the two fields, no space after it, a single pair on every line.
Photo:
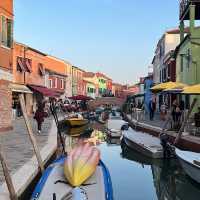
[16,145]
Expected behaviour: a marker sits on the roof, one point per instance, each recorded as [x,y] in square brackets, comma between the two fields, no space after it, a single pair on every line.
[177,30]
[99,74]
[30,48]
[89,74]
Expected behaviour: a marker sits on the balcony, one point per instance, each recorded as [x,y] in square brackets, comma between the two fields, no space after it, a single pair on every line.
[184,9]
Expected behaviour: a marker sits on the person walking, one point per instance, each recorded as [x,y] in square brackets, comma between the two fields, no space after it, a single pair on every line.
[39,116]
[152,108]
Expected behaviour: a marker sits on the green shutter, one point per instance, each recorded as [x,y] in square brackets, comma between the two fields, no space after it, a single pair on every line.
[9,33]
[3,29]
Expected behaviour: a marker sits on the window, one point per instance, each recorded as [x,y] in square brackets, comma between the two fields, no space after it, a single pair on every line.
[50,84]
[41,69]
[62,84]
[20,66]
[181,62]
[56,83]
[28,65]
[6,32]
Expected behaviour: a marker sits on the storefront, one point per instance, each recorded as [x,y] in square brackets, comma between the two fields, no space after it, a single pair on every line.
[16,108]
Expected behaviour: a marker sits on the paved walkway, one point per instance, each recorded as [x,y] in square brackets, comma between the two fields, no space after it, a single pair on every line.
[17,146]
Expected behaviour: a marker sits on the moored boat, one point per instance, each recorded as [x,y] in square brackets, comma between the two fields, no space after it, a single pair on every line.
[76,122]
[190,161]
[114,127]
[143,143]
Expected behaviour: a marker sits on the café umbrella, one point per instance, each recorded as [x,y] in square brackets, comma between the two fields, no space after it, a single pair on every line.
[166,86]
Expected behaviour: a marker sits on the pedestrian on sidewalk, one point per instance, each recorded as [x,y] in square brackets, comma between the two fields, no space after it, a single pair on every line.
[152,108]
[39,116]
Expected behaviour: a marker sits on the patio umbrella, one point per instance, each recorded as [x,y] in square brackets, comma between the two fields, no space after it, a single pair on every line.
[176,90]
[167,85]
[192,90]
[81,98]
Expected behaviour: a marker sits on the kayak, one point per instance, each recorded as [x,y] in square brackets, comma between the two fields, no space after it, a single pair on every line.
[81,163]
[77,122]
[53,184]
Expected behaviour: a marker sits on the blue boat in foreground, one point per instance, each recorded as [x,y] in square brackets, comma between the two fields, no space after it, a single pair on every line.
[53,185]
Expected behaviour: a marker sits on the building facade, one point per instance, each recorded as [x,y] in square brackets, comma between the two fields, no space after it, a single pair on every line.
[77,81]
[164,48]
[56,76]
[28,70]
[91,84]
[102,84]
[6,63]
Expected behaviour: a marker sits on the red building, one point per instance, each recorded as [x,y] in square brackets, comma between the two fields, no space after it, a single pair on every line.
[170,66]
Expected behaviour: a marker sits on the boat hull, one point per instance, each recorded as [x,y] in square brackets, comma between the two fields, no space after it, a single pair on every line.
[191,169]
[142,148]
[75,122]
[98,187]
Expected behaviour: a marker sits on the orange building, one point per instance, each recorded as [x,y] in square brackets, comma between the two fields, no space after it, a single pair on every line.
[28,70]
[56,73]
[6,44]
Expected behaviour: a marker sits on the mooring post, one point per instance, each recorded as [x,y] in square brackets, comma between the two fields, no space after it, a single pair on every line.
[8,179]
[30,132]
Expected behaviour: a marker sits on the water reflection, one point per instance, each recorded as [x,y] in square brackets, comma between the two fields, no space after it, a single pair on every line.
[155,178]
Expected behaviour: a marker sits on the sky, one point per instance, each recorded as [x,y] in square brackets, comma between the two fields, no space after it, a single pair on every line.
[116,37]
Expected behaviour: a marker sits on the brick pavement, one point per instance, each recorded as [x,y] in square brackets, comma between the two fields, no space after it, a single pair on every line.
[17,146]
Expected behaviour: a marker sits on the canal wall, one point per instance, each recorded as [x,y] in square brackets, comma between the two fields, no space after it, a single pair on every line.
[24,177]
[187,142]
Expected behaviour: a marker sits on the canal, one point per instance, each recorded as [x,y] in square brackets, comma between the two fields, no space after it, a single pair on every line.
[136,177]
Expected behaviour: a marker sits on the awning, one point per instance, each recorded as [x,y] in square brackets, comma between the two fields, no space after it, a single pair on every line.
[41,69]
[44,91]
[28,65]
[167,86]
[20,64]
[20,88]
[192,90]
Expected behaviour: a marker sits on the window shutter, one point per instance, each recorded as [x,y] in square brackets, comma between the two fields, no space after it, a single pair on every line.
[4,31]
[9,33]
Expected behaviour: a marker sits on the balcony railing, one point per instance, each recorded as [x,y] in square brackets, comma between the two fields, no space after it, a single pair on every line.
[184,4]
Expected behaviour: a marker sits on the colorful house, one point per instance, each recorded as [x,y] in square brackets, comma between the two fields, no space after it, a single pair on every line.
[6,63]
[102,85]
[77,81]
[91,84]
[56,75]
[28,70]
[187,52]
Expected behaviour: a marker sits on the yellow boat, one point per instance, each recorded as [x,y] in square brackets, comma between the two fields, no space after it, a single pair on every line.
[76,131]
[77,122]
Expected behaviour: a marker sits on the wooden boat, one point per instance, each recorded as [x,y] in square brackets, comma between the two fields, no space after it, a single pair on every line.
[77,131]
[76,122]
[115,115]
[190,161]
[143,143]
[53,184]
[81,164]
[114,127]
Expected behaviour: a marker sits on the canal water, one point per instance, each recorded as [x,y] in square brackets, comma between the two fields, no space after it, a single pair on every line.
[136,177]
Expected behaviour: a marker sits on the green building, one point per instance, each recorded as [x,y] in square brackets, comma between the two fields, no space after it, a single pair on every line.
[188,51]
